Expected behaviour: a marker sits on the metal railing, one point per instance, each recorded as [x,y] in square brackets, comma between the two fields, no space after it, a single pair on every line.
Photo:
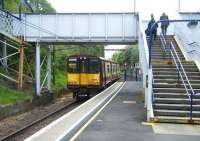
[14,27]
[163,42]
[180,71]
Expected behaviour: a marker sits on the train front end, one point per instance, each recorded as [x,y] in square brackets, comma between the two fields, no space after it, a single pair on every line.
[83,75]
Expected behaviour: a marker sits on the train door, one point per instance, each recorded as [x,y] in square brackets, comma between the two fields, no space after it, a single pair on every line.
[83,77]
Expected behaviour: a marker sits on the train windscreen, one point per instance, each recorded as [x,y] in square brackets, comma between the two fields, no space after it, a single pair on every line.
[94,65]
[72,65]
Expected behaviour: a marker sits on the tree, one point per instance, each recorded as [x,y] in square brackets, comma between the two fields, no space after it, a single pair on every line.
[130,56]
[39,6]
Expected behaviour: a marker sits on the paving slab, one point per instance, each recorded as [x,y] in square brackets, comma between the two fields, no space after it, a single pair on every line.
[124,119]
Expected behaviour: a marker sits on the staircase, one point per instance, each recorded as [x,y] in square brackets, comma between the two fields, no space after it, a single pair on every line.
[171,103]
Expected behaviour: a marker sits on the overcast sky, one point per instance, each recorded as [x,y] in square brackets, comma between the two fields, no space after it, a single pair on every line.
[144,6]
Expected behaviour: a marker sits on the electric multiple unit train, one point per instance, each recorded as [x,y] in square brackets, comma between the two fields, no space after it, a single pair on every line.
[86,75]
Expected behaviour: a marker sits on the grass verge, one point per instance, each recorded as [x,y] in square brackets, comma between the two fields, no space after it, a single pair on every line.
[9,96]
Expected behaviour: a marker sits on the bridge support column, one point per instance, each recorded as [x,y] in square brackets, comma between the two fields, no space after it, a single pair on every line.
[21,67]
[49,50]
[37,70]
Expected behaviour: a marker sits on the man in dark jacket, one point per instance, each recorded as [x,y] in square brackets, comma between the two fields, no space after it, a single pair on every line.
[150,26]
[164,23]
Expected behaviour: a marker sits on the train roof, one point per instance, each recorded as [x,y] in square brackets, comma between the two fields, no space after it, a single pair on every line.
[92,56]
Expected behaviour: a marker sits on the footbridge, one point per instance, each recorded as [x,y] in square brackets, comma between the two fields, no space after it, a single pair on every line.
[83,27]
[61,28]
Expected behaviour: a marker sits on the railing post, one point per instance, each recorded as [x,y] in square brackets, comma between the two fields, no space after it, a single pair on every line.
[21,66]
[179,72]
[191,105]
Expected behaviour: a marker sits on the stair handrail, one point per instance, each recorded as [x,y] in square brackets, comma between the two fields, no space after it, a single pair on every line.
[190,92]
[163,41]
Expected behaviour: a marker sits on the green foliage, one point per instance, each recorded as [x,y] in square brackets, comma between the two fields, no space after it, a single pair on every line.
[39,6]
[8,96]
[130,56]
[60,81]
[119,57]
[42,6]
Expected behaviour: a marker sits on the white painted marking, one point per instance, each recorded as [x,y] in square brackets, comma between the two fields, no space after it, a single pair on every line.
[82,129]
[129,102]
[147,123]
[99,120]
[176,129]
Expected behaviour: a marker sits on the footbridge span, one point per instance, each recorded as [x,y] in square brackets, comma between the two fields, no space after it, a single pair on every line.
[83,27]
[61,28]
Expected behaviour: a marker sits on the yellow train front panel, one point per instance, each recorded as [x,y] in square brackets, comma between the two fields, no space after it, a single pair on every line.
[73,79]
[94,79]
[83,79]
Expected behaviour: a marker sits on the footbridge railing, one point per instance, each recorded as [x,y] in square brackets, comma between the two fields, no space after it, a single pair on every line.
[15,28]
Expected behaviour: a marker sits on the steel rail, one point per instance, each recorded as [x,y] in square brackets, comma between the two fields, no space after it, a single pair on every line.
[11,135]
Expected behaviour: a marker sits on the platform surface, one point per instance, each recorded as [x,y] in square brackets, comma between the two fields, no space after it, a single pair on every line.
[62,128]
[123,120]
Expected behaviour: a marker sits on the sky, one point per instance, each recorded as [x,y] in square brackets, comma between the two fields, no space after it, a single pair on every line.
[145,6]
[157,7]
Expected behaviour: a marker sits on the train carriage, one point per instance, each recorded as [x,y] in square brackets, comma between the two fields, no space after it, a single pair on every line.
[86,75]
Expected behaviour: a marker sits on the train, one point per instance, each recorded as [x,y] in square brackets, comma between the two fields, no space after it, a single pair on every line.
[87,74]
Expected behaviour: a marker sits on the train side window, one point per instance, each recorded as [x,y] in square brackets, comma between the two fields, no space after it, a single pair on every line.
[108,68]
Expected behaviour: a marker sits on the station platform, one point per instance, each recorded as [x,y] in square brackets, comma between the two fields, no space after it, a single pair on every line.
[123,119]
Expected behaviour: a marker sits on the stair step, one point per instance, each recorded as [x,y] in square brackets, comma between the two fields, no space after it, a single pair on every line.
[172,119]
[169,81]
[172,90]
[174,95]
[175,77]
[178,113]
[175,70]
[175,85]
[167,57]
[183,107]
[176,101]
[173,66]
[174,73]
[164,54]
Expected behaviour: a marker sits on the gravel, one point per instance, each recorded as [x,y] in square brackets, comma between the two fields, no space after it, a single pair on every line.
[11,124]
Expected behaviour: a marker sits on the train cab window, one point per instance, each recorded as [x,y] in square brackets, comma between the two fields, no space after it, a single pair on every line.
[94,65]
[72,66]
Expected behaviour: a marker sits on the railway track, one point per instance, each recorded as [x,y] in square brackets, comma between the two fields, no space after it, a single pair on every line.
[22,131]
